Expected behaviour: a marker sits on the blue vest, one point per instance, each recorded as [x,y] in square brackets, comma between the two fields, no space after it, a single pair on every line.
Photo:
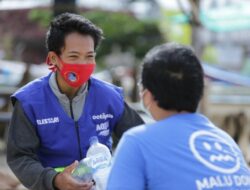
[57,132]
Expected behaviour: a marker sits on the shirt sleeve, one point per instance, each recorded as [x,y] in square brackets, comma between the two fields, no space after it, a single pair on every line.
[129,119]
[127,172]
[22,146]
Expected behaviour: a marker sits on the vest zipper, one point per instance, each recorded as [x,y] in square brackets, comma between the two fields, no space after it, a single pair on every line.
[77,128]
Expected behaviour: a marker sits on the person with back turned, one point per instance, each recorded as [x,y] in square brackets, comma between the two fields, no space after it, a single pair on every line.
[183,149]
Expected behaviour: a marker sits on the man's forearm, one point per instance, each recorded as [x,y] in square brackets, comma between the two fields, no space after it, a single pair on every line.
[32,175]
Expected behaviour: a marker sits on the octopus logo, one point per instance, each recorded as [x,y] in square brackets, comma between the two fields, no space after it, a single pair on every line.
[214,152]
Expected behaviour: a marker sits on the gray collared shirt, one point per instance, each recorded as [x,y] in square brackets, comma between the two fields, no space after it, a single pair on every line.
[77,102]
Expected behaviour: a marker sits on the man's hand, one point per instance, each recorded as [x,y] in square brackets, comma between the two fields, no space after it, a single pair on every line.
[64,180]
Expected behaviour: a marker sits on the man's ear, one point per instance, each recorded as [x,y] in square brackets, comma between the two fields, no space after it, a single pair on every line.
[53,59]
[149,98]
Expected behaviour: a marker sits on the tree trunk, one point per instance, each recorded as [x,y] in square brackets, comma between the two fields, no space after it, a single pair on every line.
[197,42]
[61,6]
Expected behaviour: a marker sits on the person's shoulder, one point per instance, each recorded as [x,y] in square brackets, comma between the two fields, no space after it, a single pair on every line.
[32,88]
[140,130]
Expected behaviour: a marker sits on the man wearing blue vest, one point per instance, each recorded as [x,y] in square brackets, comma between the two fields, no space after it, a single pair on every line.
[55,116]
[183,150]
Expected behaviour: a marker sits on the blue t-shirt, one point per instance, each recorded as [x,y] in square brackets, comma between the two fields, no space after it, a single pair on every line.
[182,152]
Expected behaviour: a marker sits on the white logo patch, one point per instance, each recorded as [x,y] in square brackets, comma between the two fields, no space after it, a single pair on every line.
[103,116]
[214,152]
[104,133]
[103,128]
[47,120]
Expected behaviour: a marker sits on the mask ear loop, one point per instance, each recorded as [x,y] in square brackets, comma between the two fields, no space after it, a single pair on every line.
[142,95]
[51,67]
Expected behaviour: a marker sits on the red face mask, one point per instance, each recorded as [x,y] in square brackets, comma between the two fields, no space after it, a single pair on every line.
[74,74]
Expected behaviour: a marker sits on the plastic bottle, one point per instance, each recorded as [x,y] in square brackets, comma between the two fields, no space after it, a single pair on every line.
[83,171]
[100,162]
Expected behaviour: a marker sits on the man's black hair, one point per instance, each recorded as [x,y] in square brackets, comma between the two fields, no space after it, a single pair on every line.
[174,75]
[67,23]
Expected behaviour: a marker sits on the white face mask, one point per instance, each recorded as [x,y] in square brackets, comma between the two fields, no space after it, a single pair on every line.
[143,107]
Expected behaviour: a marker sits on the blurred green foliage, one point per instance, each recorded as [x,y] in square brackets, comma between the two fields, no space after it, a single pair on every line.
[120,29]
[41,16]
[210,55]
[126,31]
[174,27]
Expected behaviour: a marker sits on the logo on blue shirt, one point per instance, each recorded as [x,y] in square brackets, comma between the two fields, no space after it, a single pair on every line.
[214,152]
[47,121]
[103,116]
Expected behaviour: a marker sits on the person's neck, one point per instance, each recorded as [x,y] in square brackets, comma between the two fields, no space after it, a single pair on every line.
[70,92]
[162,114]
[159,113]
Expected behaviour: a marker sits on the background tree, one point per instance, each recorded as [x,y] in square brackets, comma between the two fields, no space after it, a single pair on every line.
[61,6]
[196,26]
[122,30]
